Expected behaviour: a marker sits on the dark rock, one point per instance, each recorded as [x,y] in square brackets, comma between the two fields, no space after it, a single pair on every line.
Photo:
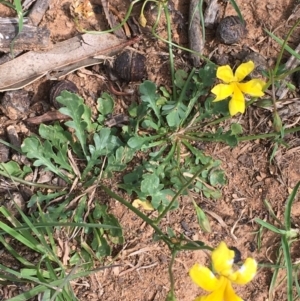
[231,30]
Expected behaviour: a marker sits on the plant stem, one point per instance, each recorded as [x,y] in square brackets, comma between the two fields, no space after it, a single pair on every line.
[116,27]
[244,138]
[267,135]
[169,42]
[217,121]
[171,293]
[138,213]
[21,181]
[170,50]
[283,46]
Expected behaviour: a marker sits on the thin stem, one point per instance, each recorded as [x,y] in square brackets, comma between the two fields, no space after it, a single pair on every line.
[170,50]
[171,293]
[217,121]
[174,44]
[271,76]
[283,46]
[195,138]
[138,213]
[21,181]
[267,135]
[244,138]
[116,27]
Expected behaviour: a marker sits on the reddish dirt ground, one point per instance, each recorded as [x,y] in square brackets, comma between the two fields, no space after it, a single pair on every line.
[252,178]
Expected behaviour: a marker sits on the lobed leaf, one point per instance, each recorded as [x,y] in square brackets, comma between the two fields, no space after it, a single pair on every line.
[75,108]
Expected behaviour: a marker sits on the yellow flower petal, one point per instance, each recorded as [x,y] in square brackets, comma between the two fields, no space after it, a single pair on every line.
[218,294]
[236,106]
[214,296]
[222,91]
[222,259]
[229,293]
[237,102]
[253,87]
[243,70]
[204,277]
[246,272]
[225,74]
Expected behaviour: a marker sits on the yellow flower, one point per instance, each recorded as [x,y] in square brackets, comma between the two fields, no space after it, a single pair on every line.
[220,288]
[234,88]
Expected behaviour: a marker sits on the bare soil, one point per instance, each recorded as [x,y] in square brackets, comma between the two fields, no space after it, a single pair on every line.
[252,178]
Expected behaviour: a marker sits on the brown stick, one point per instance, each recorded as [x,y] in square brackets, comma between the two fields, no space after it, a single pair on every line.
[49,116]
[195,33]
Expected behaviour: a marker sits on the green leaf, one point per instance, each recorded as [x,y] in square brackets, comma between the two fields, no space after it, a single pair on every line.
[101,247]
[236,129]
[150,184]
[110,220]
[55,133]
[34,149]
[289,267]
[137,142]
[146,124]
[180,78]
[8,4]
[56,137]
[162,197]
[79,211]
[132,109]
[175,113]
[104,145]
[38,198]
[118,162]
[165,92]
[208,74]
[202,219]
[148,95]
[87,117]
[74,108]
[270,227]
[132,180]
[105,104]
[217,177]
[195,245]
[216,108]
[97,212]
[12,168]
[288,207]
[200,156]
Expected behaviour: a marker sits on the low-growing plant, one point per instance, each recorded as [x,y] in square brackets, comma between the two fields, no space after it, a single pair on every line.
[50,273]
[160,155]
[288,237]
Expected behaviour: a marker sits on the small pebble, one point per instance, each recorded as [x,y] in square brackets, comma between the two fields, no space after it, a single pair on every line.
[15,104]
